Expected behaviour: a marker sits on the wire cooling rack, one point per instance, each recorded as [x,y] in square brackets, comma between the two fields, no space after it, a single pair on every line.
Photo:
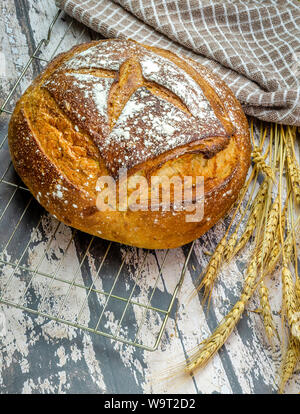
[38,270]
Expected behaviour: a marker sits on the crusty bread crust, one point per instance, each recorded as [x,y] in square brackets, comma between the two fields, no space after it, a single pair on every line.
[59,155]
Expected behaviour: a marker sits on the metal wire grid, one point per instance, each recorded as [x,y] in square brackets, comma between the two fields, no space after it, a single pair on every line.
[20,222]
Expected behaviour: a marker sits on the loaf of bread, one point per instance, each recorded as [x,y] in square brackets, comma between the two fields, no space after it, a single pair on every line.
[115,109]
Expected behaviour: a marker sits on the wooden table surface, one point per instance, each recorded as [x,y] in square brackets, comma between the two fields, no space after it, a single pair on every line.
[38,355]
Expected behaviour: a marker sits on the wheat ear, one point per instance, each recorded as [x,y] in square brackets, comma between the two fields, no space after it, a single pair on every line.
[290,301]
[297,290]
[232,240]
[290,361]
[260,163]
[276,248]
[288,248]
[230,245]
[212,269]
[270,231]
[266,310]
[292,167]
[232,248]
[257,207]
[289,298]
[223,331]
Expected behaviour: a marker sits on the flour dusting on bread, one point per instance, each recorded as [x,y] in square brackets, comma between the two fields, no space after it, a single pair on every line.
[148,125]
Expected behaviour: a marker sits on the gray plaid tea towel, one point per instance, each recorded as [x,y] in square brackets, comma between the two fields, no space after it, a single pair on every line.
[253,45]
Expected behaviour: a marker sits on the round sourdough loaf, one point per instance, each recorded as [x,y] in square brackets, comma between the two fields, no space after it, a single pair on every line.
[116,108]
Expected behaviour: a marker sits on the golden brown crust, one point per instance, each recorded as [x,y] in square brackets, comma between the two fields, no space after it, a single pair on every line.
[60,159]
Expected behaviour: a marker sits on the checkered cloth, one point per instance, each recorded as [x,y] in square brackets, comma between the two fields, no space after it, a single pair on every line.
[253,45]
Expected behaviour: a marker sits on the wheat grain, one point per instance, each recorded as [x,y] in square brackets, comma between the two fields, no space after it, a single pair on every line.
[289,297]
[212,268]
[273,258]
[297,290]
[230,245]
[270,247]
[224,248]
[292,165]
[220,335]
[260,163]
[270,231]
[229,250]
[295,325]
[290,361]
[266,310]
[276,248]
[275,251]
[283,216]
[288,247]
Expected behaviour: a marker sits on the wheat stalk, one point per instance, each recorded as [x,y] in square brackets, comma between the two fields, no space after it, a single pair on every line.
[230,245]
[231,248]
[268,220]
[288,248]
[270,231]
[276,247]
[231,242]
[290,361]
[220,335]
[221,250]
[289,298]
[270,223]
[257,207]
[273,250]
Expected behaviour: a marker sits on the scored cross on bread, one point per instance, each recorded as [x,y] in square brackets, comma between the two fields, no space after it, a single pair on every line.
[140,105]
